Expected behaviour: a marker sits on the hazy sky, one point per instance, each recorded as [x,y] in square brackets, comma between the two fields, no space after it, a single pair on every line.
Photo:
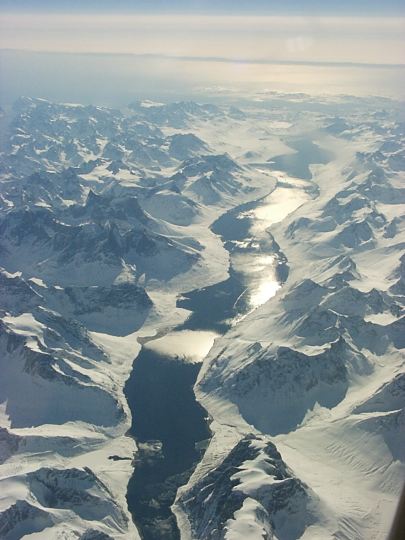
[244,37]
[272,7]
[193,43]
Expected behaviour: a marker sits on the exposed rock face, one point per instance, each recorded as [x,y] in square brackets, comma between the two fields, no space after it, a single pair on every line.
[106,217]
[21,519]
[77,490]
[319,368]
[252,480]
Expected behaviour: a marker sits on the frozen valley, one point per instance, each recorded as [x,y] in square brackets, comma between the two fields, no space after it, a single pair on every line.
[202,305]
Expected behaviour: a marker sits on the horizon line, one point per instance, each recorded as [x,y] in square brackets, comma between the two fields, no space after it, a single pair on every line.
[218,59]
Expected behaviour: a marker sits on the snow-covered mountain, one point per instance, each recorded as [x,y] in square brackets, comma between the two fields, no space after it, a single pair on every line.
[107,218]
[317,369]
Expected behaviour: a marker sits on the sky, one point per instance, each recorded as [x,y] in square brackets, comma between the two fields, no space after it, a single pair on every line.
[354,46]
[270,7]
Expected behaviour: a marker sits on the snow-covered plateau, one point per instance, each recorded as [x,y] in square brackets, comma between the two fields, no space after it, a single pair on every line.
[112,223]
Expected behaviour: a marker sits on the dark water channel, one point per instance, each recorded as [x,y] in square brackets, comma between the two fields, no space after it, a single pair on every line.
[169,425]
[297,164]
[216,306]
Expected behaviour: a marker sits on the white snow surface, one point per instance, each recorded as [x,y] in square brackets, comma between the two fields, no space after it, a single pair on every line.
[312,368]
[105,221]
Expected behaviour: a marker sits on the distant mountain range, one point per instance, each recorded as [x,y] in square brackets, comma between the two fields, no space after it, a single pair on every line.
[105,220]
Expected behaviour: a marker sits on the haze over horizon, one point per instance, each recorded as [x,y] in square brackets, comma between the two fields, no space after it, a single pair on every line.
[169,48]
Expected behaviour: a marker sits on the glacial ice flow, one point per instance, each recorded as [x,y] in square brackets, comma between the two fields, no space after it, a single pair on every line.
[114,224]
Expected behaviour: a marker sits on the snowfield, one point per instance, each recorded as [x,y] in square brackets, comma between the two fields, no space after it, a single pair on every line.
[106,220]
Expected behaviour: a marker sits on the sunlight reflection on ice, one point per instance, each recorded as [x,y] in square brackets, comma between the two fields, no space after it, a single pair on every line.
[287,197]
[265,291]
[188,345]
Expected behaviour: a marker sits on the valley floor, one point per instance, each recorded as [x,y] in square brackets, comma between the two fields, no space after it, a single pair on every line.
[261,239]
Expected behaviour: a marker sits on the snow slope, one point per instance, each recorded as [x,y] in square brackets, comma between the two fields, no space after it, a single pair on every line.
[105,220]
[95,247]
[317,370]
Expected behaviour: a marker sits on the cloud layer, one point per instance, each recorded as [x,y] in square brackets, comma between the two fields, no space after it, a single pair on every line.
[248,38]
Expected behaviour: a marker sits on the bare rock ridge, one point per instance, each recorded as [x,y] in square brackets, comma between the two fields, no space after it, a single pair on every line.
[106,221]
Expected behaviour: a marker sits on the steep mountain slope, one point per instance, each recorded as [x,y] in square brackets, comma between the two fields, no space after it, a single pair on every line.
[317,370]
[94,249]
[107,218]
